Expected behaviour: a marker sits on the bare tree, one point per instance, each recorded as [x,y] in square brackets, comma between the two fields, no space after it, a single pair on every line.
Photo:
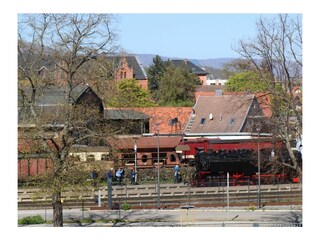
[276,54]
[53,51]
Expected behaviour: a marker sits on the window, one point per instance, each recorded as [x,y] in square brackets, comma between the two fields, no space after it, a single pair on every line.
[202,121]
[232,121]
[90,158]
[144,158]
[104,157]
[172,158]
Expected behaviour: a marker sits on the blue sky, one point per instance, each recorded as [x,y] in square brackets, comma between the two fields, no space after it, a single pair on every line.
[198,36]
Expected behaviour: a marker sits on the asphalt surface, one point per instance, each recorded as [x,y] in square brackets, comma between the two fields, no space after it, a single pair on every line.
[275,216]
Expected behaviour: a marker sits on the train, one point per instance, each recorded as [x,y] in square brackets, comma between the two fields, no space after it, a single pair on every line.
[212,168]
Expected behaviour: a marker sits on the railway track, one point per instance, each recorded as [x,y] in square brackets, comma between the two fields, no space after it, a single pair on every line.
[171,196]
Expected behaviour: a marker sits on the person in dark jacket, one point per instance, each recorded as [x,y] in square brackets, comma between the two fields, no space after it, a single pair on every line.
[133,177]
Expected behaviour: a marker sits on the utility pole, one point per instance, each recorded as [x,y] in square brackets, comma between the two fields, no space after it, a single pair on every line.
[158,182]
[135,162]
[259,170]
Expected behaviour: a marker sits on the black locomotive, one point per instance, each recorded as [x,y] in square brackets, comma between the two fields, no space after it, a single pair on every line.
[212,168]
[223,161]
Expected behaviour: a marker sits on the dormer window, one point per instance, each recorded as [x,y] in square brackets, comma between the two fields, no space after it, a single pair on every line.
[232,121]
[202,121]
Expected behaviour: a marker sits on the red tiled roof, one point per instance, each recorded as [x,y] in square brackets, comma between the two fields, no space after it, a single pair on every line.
[265,104]
[164,116]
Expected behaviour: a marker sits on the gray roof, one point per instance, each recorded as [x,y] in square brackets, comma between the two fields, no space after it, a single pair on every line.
[133,61]
[50,102]
[220,114]
[190,66]
[125,114]
[55,95]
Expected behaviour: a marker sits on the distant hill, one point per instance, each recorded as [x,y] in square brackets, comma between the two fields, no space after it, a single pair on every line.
[146,60]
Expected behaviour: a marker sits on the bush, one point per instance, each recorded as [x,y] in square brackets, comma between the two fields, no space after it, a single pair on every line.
[125,206]
[31,220]
[252,208]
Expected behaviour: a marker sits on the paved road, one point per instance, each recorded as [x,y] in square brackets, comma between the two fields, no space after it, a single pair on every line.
[193,217]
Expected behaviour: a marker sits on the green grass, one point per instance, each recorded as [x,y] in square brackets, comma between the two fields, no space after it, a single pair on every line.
[31,220]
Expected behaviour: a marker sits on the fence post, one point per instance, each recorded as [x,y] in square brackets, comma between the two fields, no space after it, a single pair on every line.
[249,191]
[99,198]
[291,196]
[45,208]
[82,207]
[228,200]
[109,193]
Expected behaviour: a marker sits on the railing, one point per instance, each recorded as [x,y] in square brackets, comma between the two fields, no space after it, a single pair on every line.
[173,195]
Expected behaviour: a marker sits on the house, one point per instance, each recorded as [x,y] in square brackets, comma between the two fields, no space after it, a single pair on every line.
[202,74]
[50,103]
[167,120]
[127,121]
[50,107]
[218,90]
[224,114]
[226,123]
[219,82]
[129,67]
[147,150]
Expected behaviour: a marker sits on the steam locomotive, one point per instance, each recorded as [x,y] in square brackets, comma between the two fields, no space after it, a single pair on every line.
[212,168]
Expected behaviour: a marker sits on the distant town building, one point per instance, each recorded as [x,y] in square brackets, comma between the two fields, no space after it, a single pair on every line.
[217,82]
[201,73]
[129,67]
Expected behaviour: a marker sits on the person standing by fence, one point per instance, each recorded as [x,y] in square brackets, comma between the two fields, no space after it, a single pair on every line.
[119,175]
[109,176]
[133,177]
[176,173]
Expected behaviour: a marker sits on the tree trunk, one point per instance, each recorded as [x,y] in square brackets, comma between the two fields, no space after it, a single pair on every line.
[57,210]
[293,159]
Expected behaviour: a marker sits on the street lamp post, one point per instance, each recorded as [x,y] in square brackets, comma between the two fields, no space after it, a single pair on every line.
[158,155]
[135,163]
[259,177]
